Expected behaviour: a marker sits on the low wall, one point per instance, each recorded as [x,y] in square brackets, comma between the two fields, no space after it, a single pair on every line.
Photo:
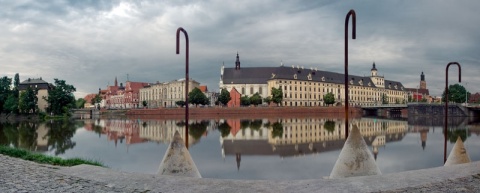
[254,112]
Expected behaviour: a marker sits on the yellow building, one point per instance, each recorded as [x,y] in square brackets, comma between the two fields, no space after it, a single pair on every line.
[165,94]
[307,87]
[42,88]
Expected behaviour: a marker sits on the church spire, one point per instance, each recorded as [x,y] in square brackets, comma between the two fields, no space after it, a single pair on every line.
[116,83]
[237,63]
[422,77]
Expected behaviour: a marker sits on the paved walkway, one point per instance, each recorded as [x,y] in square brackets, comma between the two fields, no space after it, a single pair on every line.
[23,176]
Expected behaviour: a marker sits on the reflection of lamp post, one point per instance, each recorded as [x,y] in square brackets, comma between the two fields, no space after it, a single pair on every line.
[466,95]
[417,95]
[445,133]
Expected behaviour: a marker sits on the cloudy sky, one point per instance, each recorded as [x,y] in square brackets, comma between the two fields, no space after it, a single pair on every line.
[88,43]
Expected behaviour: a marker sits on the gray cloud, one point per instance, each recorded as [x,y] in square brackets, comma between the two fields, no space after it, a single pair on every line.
[89,43]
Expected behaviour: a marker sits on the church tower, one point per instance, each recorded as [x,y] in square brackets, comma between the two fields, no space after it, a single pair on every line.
[237,63]
[374,70]
[379,81]
[116,83]
[423,84]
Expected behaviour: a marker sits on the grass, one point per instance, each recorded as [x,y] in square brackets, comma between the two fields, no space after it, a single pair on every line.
[45,159]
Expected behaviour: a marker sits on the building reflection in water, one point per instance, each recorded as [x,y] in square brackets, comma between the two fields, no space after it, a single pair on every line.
[140,131]
[299,137]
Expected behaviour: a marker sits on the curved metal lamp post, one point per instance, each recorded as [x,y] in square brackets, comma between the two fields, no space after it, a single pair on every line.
[180,29]
[354,21]
[446,106]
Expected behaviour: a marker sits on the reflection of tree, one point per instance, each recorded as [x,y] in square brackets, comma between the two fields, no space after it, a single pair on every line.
[453,135]
[329,126]
[196,130]
[244,124]
[27,135]
[180,124]
[224,129]
[10,133]
[256,124]
[277,129]
[60,135]
[97,129]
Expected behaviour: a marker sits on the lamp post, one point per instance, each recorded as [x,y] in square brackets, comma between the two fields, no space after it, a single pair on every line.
[446,106]
[354,29]
[180,29]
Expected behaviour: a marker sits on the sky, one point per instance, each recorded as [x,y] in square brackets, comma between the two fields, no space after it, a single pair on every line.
[88,43]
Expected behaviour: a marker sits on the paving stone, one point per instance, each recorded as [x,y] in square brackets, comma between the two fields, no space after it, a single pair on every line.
[18,175]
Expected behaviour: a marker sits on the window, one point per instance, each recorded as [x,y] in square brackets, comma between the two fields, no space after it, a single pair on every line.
[243,90]
[260,90]
[251,90]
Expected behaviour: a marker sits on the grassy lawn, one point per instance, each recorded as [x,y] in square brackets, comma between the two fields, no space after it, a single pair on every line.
[45,159]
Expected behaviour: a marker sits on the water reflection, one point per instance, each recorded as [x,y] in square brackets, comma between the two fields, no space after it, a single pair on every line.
[299,137]
[268,148]
[54,136]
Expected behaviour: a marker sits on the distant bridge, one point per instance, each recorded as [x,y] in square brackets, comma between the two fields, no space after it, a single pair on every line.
[85,113]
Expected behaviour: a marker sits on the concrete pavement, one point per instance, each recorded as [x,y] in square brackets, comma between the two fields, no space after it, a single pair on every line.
[18,175]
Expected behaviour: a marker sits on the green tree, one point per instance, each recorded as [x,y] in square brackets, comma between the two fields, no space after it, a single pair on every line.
[11,104]
[60,98]
[245,101]
[28,101]
[329,98]
[97,99]
[80,103]
[456,93]
[5,90]
[144,103]
[16,81]
[384,99]
[268,100]
[256,99]
[277,95]
[196,97]
[224,97]
[180,103]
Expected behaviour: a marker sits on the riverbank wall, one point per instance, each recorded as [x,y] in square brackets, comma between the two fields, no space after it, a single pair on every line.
[244,112]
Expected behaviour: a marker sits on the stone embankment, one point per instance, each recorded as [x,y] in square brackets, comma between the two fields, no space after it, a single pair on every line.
[23,176]
[244,112]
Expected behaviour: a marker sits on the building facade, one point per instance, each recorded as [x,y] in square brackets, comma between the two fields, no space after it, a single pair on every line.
[166,94]
[42,88]
[307,87]
[122,97]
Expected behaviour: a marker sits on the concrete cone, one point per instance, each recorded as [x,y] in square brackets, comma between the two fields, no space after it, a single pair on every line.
[458,155]
[355,158]
[177,160]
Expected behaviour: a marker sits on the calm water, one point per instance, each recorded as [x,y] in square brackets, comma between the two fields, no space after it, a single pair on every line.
[295,148]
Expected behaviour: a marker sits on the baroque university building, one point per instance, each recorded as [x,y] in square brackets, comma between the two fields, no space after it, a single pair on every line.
[306,87]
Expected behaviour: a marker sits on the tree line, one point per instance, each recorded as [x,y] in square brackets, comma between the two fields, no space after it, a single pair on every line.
[60,98]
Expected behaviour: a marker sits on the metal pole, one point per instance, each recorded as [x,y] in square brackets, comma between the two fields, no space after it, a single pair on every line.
[446,106]
[354,29]
[180,29]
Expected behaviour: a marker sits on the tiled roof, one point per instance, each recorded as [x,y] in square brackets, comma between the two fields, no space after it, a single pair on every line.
[135,86]
[34,81]
[260,75]
[89,97]
[203,88]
